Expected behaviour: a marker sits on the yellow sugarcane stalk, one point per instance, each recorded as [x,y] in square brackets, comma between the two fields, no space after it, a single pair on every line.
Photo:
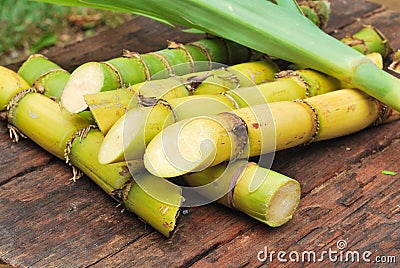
[199,142]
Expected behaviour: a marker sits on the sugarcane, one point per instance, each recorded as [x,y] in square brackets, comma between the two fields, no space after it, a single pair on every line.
[261,193]
[317,11]
[67,136]
[395,64]
[368,40]
[155,200]
[107,107]
[133,68]
[44,75]
[129,136]
[277,29]
[48,78]
[196,143]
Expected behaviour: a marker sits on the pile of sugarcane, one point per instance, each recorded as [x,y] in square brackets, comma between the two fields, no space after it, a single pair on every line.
[184,126]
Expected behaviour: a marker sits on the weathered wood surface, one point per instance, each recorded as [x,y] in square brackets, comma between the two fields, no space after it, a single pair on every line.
[48,221]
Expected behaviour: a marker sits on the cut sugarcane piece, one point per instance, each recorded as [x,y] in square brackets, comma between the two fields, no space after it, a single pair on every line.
[369,40]
[91,77]
[108,105]
[148,93]
[53,83]
[132,132]
[121,143]
[11,84]
[42,120]
[133,68]
[127,183]
[258,130]
[316,11]
[35,67]
[395,65]
[263,194]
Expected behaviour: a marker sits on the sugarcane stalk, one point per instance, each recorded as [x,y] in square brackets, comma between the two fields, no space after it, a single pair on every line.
[129,136]
[263,194]
[395,64]
[134,68]
[11,84]
[369,40]
[67,136]
[48,78]
[107,107]
[196,143]
[317,11]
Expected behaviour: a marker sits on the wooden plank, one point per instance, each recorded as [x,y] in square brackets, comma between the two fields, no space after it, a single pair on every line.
[18,158]
[53,222]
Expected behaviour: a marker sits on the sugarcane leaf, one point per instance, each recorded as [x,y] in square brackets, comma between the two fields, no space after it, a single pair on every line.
[291,5]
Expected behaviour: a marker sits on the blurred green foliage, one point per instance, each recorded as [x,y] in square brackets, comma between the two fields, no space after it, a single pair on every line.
[23,23]
[26,26]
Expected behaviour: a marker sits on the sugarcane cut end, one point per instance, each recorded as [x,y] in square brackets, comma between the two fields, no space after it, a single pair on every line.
[283,204]
[86,79]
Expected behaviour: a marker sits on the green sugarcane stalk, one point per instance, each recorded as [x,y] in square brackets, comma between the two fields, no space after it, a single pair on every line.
[107,107]
[48,78]
[369,40]
[196,143]
[134,68]
[317,11]
[285,34]
[129,136]
[263,194]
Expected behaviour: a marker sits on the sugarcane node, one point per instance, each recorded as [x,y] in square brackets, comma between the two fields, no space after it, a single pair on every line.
[205,51]
[316,122]
[174,45]
[163,60]
[144,101]
[115,70]
[13,103]
[232,184]
[239,129]
[383,115]
[195,81]
[355,41]
[228,51]
[389,48]
[296,76]
[81,134]
[129,54]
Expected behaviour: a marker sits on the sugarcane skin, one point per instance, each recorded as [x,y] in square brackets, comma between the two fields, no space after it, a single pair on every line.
[249,188]
[11,84]
[35,67]
[108,105]
[160,211]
